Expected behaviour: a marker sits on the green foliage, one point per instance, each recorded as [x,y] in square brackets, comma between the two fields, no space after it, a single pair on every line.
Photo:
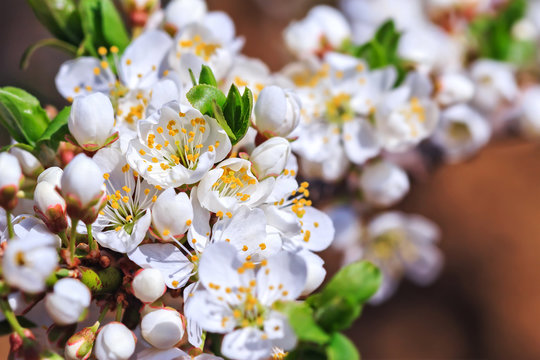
[56,130]
[5,327]
[21,115]
[318,321]
[381,50]
[79,27]
[493,36]
[232,112]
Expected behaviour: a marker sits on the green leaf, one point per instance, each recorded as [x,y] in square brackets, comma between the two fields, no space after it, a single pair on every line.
[60,17]
[22,115]
[5,328]
[113,28]
[54,43]
[201,97]
[102,25]
[207,76]
[337,314]
[300,317]
[218,115]
[56,130]
[341,348]
[356,282]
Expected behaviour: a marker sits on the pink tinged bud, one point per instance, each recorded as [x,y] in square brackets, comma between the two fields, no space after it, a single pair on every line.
[114,342]
[10,178]
[91,121]
[270,158]
[69,301]
[163,328]
[50,207]
[83,187]
[277,111]
[79,346]
[148,285]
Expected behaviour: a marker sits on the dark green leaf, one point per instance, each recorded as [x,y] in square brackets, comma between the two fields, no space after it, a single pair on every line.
[55,43]
[300,317]
[341,348]
[60,17]
[218,115]
[5,328]
[207,76]
[56,130]
[201,97]
[22,115]
[112,26]
[90,12]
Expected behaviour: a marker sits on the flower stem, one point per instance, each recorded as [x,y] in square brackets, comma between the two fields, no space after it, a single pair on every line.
[103,313]
[11,318]
[73,238]
[119,309]
[62,235]
[91,241]
[11,232]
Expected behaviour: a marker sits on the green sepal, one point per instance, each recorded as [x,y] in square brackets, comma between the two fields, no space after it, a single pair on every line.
[301,319]
[207,76]
[237,112]
[22,115]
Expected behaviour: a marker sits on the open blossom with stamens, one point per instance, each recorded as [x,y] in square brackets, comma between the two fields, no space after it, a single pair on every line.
[237,300]
[126,217]
[232,184]
[174,148]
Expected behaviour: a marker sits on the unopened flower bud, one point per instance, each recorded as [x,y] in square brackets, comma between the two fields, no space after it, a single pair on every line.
[384,183]
[50,207]
[52,175]
[172,214]
[10,178]
[79,346]
[162,328]
[270,158]
[83,188]
[30,165]
[91,121]
[454,88]
[68,302]
[277,111]
[148,285]
[114,342]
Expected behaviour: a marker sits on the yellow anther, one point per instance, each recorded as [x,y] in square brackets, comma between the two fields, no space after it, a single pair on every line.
[106,176]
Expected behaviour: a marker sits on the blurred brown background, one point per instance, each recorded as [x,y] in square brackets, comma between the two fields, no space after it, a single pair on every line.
[485,304]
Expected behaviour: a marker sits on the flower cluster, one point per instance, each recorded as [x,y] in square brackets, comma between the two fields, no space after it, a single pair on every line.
[167,214]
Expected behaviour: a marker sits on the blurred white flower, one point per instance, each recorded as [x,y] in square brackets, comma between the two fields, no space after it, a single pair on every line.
[383,183]
[162,328]
[68,302]
[114,342]
[277,111]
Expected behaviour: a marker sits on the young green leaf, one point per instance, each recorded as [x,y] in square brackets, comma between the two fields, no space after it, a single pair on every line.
[218,115]
[56,130]
[112,26]
[22,115]
[300,317]
[341,348]
[60,17]
[201,96]
[337,314]
[207,76]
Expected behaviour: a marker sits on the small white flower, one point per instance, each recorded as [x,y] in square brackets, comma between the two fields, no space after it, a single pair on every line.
[454,88]
[91,121]
[148,285]
[530,117]
[384,183]
[83,188]
[68,302]
[495,83]
[52,175]
[247,72]
[277,111]
[114,342]
[270,158]
[162,328]
[462,132]
[30,165]
[30,257]
[232,184]
[175,148]
[180,13]
[172,214]
[238,302]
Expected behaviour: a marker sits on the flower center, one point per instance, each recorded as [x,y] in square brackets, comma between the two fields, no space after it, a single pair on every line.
[231,182]
[338,109]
